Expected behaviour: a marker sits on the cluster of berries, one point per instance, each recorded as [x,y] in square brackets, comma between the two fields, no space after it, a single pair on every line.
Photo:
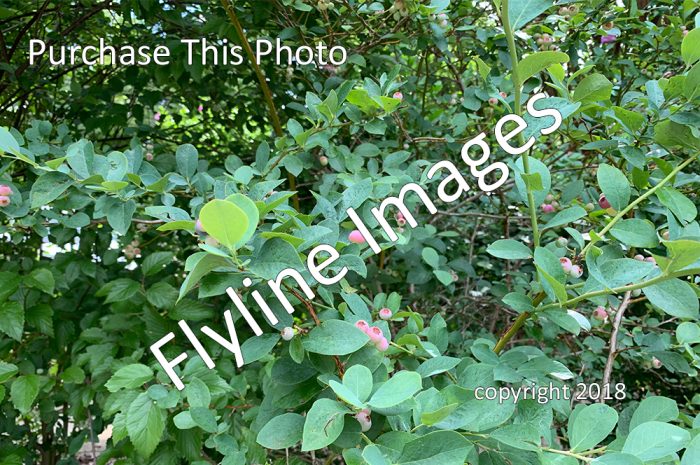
[493,100]
[5,192]
[324,5]
[545,41]
[149,152]
[568,11]
[375,332]
[441,19]
[132,250]
[575,271]
[550,205]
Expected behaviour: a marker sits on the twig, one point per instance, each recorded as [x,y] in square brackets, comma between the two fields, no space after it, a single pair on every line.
[612,352]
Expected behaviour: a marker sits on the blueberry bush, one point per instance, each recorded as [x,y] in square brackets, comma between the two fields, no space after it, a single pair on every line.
[132,198]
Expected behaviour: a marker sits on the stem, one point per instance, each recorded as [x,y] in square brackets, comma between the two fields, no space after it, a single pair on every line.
[267,94]
[519,322]
[569,454]
[639,199]
[517,87]
[612,352]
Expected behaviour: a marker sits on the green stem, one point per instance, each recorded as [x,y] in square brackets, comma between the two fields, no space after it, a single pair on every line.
[517,87]
[639,199]
[568,454]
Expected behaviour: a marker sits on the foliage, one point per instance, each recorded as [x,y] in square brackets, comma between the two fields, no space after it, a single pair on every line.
[103,255]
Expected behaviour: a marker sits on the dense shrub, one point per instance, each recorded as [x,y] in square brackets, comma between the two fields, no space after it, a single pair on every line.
[132,198]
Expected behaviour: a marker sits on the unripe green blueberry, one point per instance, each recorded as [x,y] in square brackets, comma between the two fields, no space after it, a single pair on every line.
[287,333]
[666,235]
[562,242]
[589,207]
[636,293]
[323,160]
[549,198]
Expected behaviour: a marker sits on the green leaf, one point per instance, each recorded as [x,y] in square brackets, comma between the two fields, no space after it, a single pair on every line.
[590,425]
[42,279]
[593,88]
[654,440]
[437,365]
[145,424]
[282,431]
[674,297]
[255,348]
[345,394]
[520,436]
[12,319]
[7,371]
[671,134]
[690,47]
[522,12]
[155,262]
[48,187]
[224,221]
[622,271]
[335,337]
[538,61]
[686,333]
[399,388]
[324,423]
[691,456]
[431,257]
[484,69]
[274,256]
[251,211]
[436,416]
[9,283]
[616,458]
[566,216]
[120,214]
[681,206]
[635,233]
[654,408]
[372,454]
[198,265]
[509,249]
[439,447]
[358,379]
[186,159]
[24,391]
[8,144]
[197,393]
[204,418]
[80,157]
[614,185]
[129,377]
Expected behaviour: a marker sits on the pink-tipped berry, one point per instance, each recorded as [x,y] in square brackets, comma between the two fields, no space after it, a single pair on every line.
[600,314]
[382,345]
[385,314]
[375,334]
[356,237]
[576,271]
[364,419]
[5,190]
[362,326]
[566,264]
[398,96]
[5,201]
[547,208]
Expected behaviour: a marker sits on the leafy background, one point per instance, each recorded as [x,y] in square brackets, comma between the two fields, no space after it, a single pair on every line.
[110,167]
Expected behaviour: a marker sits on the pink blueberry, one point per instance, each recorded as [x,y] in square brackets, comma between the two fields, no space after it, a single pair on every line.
[200,108]
[323,160]
[600,314]
[375,334]
[287,333]
[363,417]
[547,208]
[603,202]
[156,117]
[362,326]
[4,201]
[357,237]
[656,363]
[382,345]
[199,229]
[398,95]
[639,257]
[385,314]
[493,101]
[650,260]
[607,39]
[5,190]
[566,264]
[576,271]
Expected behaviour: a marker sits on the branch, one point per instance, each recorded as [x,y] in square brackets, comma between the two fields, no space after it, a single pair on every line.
[612,353]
